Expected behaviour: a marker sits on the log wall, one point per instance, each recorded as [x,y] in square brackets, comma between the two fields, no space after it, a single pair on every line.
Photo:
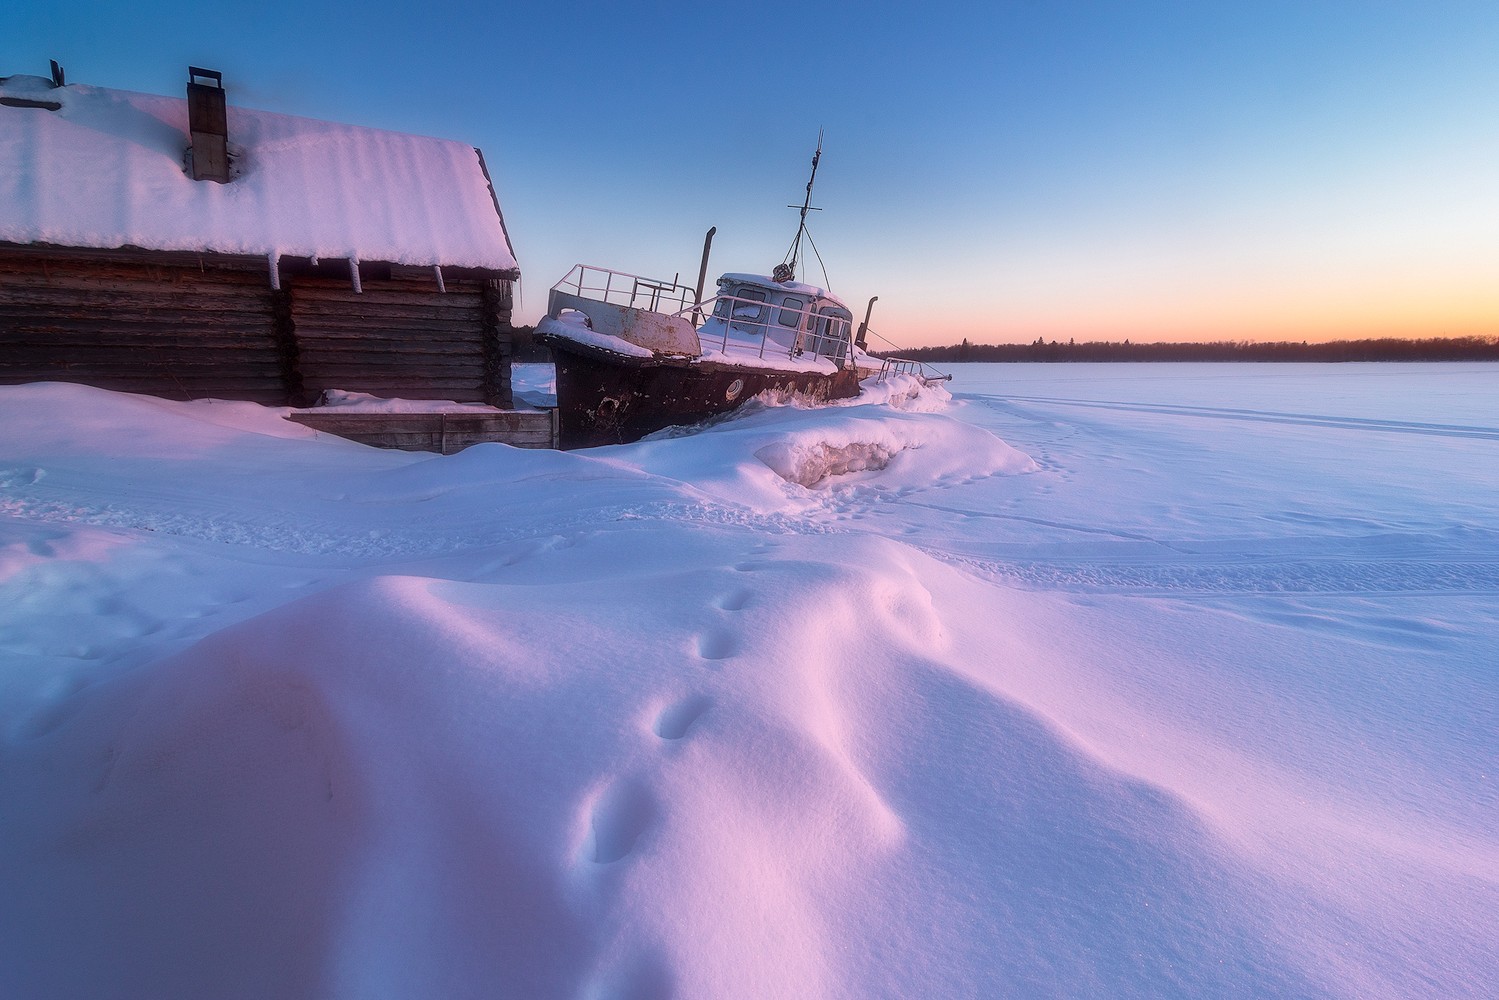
[187,326]
[170,328]
[390,341]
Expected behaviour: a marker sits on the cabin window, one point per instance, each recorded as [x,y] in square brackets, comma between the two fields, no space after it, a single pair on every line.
[745,309]
[791,312]
[828,333]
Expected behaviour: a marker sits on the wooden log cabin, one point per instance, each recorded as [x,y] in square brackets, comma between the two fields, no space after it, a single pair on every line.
[187,249]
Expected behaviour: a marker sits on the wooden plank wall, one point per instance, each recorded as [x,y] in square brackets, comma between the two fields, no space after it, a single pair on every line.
[412,344]
[186,326]
[446,433]
[173,328]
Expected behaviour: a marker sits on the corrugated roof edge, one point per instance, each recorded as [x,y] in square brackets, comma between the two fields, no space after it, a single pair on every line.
[514,274]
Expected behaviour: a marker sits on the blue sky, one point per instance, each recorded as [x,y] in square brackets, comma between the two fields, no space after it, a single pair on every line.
[995,171]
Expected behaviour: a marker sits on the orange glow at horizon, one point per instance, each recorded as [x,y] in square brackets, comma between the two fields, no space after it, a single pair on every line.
[1293,315]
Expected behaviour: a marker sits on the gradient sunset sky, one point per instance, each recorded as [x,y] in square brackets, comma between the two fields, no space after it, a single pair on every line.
[997,171]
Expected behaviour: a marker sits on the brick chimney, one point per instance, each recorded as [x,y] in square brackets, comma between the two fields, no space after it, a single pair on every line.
[208,125]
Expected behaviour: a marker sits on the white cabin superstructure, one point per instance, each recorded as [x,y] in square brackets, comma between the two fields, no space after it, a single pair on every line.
[804,321]
[753,321]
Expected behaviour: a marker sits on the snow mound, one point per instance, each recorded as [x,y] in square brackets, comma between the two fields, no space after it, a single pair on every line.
[363,402]
[897,440]
[633,786]
[906,392]
[45,418]
[811,465]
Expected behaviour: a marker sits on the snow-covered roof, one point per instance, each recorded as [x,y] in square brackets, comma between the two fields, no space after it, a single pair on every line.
[790,287]
[105,170]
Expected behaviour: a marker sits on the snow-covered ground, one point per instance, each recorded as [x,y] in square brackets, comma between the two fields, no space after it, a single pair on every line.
[1094,681]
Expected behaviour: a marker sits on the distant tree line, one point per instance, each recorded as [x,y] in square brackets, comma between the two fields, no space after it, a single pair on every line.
[1384,349]
[525,347]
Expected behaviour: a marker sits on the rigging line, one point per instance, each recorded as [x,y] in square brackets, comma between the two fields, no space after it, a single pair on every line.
[825,282]
[791,255]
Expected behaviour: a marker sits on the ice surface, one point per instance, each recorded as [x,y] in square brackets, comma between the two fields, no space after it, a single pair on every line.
[1088,681]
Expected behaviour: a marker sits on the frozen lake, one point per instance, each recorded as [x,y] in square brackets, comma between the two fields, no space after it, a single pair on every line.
[1301,478]
[1116,680]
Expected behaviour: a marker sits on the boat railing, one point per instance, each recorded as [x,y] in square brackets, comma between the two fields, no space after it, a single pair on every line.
[805,330]
[808,331]
[634,291]
[906,366]
[890,366]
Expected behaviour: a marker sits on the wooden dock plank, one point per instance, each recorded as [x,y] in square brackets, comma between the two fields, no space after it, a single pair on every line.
[444,433]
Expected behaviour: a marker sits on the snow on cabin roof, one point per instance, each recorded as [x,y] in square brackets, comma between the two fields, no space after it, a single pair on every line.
[791,287]
[105,170]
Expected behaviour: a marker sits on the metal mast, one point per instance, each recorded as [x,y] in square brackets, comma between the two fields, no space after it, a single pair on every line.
[786,270]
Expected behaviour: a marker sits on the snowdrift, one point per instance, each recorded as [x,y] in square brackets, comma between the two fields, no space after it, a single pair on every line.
[288,716]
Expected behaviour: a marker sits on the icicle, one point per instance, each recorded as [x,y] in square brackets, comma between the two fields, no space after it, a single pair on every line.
[354,273]
[441,285]
[274,259]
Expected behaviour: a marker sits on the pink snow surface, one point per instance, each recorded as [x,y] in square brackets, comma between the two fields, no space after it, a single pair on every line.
[106,171]
[813,702]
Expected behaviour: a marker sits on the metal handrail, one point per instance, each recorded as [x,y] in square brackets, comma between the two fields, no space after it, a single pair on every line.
[906,366]
[623,288]
[634,291]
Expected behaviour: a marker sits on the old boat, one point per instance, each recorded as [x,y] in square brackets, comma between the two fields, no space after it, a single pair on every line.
[635,355]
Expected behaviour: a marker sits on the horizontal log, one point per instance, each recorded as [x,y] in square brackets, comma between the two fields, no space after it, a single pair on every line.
[178,281]
[415,311]
[198,352]
[383,330]
[107,331]
[245,315]
[84,373]
[117,340]
[431,385]
[311,357]
[230,358]
[126,301]
[128,256]
[144,378]
[478,422]
[447,446]
[92,373]
[448,432]
[375,291]
[379,341]
[387,340]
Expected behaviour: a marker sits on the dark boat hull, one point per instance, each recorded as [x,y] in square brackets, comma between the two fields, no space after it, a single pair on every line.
[605,398]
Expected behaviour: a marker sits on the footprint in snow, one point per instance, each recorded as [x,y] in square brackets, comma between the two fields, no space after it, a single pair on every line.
[716,645]
[676,719]
[620,815]
[735,600]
